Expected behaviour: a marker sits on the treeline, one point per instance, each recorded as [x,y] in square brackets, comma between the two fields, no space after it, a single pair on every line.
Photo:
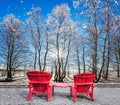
[59,44]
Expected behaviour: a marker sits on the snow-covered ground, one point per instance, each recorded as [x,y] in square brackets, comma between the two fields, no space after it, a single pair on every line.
[18,96]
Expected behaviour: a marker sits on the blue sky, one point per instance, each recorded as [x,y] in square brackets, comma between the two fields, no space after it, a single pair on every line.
[20,7]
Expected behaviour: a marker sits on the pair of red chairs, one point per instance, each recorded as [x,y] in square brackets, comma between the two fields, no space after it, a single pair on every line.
[39,82]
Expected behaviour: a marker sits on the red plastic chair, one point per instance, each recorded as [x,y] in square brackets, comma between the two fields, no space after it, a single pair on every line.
[39,82]
[83,84]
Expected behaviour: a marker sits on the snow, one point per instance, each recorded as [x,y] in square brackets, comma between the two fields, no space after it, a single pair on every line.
[76,3]
[21,1]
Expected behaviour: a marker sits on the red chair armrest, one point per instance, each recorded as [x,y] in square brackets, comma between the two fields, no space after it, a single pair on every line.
[89,83]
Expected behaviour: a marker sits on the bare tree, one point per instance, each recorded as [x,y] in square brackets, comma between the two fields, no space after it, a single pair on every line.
[35,30]
[108,35]
[46,46]
[13,47]
[61,34]
[91,12]
[78,58]
[115,44]
[117,52]
[99,16]
[79,48]
[39,38]
[109,31]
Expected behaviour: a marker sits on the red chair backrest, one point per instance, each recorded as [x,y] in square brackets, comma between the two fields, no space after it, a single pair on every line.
[38,76]
[84,78]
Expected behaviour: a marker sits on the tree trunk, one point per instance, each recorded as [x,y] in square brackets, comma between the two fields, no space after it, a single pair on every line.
[39,61]
[108,34]
[117,59]
[45,56]
[9,58]
[9,75]
[35,59]
[118,46]
[84,59]
[78,59]
[117,54]
[95,40]
[103,59]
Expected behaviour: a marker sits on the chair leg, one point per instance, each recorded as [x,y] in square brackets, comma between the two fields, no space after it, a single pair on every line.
[30,93]
[29,96]
[49,96]
[91,96]
[73,93]
[92,93]
[74,97]
[50,92]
